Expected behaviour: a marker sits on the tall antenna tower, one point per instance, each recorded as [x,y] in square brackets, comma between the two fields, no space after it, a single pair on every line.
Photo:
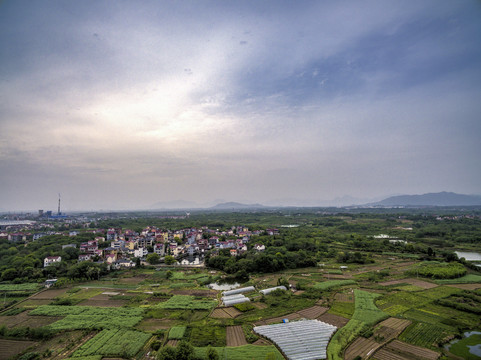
[59,213]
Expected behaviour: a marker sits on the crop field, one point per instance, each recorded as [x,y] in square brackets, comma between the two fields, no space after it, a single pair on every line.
[9,348]
[115,342]
[19,287]
[196,292]
[251,352]
[411,351]
[344,297]
[152,325]
[344,309]
[366,314]
[24,320]
[329,284]
[177,332]
[360,347]
[87,317]
[337,321]
[187,302]
[465,286]
[425,335]
[313,312]
[466,279]
[235,336]
[49,294]
[208,336]
[390,328]
[415,282]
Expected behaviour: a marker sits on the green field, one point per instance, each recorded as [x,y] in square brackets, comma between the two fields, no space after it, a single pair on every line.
[187,302]
[330,284]
[115,342]
[177,332]
[251,352]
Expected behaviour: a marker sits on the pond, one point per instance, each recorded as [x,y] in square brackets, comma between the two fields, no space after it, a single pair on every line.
[223,286]
[469,256]
[469,347]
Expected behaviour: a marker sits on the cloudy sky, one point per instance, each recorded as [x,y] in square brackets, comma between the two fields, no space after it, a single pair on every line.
[124,104]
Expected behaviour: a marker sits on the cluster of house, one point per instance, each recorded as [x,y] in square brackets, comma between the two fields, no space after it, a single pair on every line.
[188,246]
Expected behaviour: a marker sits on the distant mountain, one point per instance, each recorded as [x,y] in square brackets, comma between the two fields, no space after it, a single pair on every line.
[235,205]
[432,199]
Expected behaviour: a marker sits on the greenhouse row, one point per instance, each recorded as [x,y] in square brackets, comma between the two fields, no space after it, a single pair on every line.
[268,291]
[300,340]
[238,291]
[234,299]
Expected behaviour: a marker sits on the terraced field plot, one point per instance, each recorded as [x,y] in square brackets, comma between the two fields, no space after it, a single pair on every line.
[406,351]
[25,320]
[10,348]
[235,336]
[361,347]
[336,320]
[225,313]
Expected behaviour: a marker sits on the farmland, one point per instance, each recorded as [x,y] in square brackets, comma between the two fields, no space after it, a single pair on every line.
[374,292]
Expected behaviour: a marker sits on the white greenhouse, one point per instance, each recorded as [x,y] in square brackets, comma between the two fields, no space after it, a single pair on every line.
[238,291]
[230,297]
[300,340]
[235,300]
[268,291]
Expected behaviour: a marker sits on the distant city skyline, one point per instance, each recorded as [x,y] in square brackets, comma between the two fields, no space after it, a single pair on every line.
[123,105]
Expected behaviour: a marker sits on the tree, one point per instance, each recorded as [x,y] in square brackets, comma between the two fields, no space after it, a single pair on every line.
[153,258]
[212,354]
[167,353]
[169,260]
[184,351]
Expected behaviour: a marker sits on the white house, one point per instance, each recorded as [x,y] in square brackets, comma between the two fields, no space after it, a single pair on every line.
[49,260]
[140,252]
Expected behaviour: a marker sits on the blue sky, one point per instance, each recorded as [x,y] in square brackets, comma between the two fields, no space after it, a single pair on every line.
[119,104]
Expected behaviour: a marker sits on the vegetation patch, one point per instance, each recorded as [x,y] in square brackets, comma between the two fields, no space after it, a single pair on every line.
[19,287]
[424,334]
[343,309]
[438,270]
[251,352]
[330,284]
[466,279]
[208,336]
[187,302]
[114,342]
[177,332]
[462,347]
[244,306]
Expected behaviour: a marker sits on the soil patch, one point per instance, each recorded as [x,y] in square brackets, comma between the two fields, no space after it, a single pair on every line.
[172,343]
[151,325]
[10,348]
[332,319]
[25,320]
[360,347]
[313,312]
[416,282]
[193,292]
[104,303]
[49,294]
[408,351]
[466,286]
[235,336]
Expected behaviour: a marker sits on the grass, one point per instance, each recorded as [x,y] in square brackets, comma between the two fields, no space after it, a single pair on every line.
[251,352]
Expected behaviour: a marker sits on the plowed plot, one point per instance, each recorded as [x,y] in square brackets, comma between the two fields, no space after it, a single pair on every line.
[313,312]
[151,325]
[411,351]
[332,319]
[259,305]
[49,294]
[172,343]
[225,313]
[232,311]
[24,320]
[361,347]
[290,317]
[203,293]
[383,354]
[10,348]
[416,282]
[344,297]
[235,336]
[103,303]
[466,286]
[391,328]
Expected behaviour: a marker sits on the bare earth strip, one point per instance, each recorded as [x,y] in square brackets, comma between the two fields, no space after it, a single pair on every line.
[49,294]
[104,303]
[411,351]
[360,347]
[24,320]
[313,312]
[259,305]
[466,286]
[415,282]
[235,336]
[10,348]
[172,342]
[332,319]
[155,324]
[220,313]
[391,328]
[344,297]
[383,354]
[233,312]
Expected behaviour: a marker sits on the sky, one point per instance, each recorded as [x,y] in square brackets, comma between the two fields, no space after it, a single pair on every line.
[141,104]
